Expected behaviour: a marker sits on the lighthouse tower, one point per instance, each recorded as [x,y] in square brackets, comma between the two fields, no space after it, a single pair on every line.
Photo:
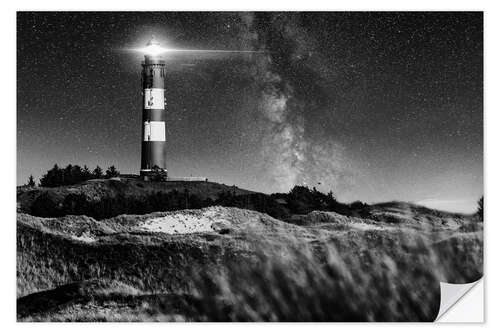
[153,155]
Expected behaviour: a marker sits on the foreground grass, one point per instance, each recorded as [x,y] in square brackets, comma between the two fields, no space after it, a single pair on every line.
[359,272]
[317,283]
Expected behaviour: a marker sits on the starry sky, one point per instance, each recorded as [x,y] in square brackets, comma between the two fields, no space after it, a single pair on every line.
[373,106]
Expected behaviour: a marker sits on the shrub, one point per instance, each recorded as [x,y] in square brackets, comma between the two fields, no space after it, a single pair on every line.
[255,201]
[46,206]
[303,200]
[157,174]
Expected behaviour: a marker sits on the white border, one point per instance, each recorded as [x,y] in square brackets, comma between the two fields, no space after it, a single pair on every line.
[8,165]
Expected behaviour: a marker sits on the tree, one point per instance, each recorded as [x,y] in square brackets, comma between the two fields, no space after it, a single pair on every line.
[86,174]
[112,172]
[53,177]
[31,181]
[480,212]
[97,173]
[76,174]
[68,175]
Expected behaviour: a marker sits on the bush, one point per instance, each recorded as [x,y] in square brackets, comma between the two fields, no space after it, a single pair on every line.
[303,200]
[46,206]
[157,174]
[255,201]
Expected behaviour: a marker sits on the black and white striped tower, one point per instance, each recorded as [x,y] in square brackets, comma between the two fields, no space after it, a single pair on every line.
[153,156]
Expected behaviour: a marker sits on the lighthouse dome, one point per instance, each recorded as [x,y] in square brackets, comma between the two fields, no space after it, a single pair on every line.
[153,41]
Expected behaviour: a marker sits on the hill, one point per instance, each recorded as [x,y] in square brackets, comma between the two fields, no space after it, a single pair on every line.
[223,263]
[103,198]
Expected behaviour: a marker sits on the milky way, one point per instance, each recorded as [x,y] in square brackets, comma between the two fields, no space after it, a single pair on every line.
[374,106]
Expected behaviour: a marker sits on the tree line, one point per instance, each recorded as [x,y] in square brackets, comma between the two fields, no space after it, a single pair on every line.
[72,174]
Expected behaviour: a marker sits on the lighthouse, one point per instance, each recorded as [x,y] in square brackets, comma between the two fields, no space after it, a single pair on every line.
[153,153]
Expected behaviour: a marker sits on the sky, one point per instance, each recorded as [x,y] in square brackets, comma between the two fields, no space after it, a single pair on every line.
[372,106]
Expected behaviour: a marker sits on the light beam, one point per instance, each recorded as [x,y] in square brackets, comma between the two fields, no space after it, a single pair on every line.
[153,48]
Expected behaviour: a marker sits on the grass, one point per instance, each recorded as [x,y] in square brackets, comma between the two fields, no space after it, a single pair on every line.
[316,282]
[266,270]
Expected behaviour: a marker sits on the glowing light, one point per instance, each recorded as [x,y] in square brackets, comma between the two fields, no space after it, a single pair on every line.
[153,48]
